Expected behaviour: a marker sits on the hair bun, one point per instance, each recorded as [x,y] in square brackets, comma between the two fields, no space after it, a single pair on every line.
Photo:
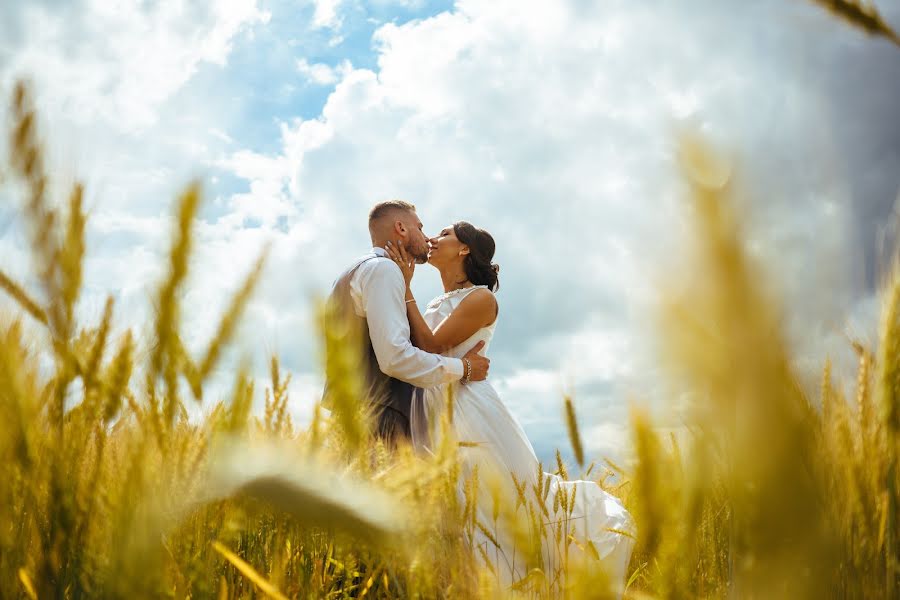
[477,263]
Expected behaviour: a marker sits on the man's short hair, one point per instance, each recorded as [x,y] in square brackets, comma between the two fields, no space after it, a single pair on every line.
[384,208]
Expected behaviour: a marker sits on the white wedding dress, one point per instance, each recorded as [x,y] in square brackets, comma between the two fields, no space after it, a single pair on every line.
[596,518]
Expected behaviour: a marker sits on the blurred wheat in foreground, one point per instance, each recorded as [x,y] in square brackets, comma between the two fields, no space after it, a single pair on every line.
[773,494]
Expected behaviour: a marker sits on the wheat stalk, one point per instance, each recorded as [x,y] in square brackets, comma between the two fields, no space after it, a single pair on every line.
[249,572]
[21,296]
[861,15]
[163,359]
[230,318]
[572,428]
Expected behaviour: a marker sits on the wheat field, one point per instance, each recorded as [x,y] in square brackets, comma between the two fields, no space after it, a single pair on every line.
[771,493]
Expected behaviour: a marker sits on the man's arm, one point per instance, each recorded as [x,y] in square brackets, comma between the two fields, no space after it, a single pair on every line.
[382,288]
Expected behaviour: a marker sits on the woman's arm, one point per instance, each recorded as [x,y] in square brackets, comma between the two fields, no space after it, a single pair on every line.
[477,310]
[420,333]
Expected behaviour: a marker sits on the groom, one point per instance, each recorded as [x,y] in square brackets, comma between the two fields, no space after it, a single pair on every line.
[371,293]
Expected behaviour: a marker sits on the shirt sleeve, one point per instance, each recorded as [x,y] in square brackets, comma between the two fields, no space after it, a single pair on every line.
[381,291]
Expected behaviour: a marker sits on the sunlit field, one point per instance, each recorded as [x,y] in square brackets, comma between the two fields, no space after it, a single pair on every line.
[111,490]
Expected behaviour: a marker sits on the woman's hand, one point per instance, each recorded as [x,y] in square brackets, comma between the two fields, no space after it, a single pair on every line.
[397,253]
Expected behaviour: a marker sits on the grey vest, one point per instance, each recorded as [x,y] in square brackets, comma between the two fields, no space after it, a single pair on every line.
[380,389]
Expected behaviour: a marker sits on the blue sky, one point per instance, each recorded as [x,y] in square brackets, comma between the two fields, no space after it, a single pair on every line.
[259,65]
[549,124]
[259,85]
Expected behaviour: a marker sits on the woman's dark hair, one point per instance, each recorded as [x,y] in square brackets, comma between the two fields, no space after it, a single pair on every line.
[477,263]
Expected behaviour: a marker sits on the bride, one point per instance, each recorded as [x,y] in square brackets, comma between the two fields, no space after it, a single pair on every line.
[492,443]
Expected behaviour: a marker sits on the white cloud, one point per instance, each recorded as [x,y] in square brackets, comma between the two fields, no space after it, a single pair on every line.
[606,440]
[116,63]
[326,14]
[571,109]
[549,124]
[111,84]
[322,74]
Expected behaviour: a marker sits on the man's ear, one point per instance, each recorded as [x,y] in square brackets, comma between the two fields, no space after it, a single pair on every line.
[400,227]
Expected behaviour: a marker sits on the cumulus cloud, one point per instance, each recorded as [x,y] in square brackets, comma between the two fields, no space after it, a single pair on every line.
[550,124]
[326,14]
[113,93]
[322,74]
[115,64]
[551,127]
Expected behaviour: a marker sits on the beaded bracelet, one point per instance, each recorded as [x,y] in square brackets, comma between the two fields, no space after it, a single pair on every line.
[467,372]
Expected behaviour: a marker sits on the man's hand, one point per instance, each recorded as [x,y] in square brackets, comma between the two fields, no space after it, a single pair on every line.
[480,364]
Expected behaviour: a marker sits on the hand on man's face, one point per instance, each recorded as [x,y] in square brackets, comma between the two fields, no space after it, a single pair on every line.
[417,246]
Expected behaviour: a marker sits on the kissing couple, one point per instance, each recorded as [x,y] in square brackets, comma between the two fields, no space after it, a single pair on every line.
[414,359]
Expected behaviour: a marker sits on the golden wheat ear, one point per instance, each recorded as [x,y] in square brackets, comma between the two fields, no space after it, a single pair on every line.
[862,16]
[572,428]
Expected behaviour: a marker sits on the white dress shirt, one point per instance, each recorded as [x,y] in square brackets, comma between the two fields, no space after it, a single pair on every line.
[377,289]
